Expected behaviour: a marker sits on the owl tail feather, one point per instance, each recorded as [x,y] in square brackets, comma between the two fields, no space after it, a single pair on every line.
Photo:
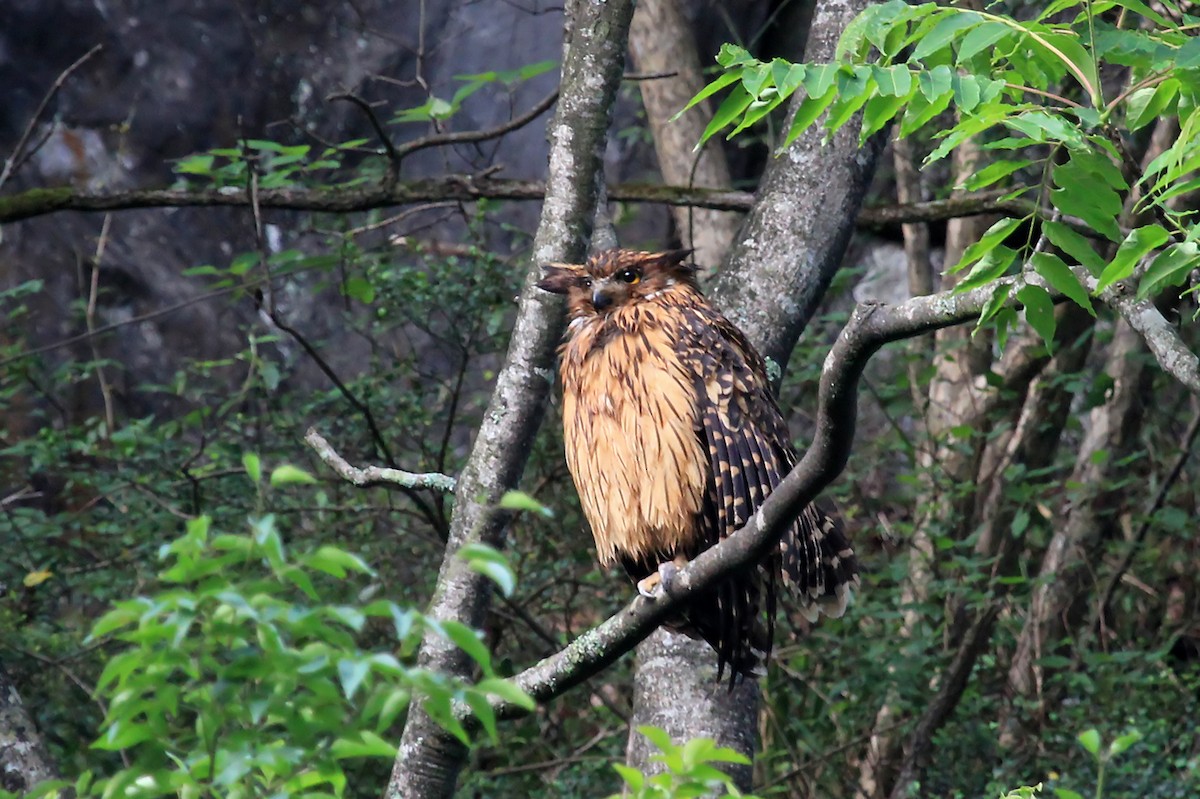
[731,621]
[819,565]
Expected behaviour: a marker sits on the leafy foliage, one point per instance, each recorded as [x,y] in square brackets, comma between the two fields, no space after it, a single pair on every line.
[237,678]
[689,769]
[1033,89]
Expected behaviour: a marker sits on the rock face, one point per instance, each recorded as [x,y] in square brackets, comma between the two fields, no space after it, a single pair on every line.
[176,77]
[183,76]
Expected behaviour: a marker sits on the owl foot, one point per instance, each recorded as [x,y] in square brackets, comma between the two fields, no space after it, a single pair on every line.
[659,583]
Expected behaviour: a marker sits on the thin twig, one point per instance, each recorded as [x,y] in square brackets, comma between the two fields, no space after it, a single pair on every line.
[17,158]
[1139,538]
[90,322]
[389,148]
[369,476]
[471,136]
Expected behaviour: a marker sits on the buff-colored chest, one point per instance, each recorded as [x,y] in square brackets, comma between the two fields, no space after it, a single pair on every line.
[630,428]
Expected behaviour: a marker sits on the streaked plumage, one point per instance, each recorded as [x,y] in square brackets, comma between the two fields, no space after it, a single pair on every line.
[674,439]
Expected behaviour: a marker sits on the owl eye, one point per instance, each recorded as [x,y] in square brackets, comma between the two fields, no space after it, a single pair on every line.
[629,276]
[587,282]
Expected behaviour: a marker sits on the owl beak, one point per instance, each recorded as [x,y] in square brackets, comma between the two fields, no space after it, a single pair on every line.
[601,299]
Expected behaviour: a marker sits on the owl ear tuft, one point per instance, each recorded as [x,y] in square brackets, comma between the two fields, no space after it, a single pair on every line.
[674,259]
[559,278]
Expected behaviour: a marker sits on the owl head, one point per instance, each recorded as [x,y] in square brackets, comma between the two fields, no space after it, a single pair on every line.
[613,279]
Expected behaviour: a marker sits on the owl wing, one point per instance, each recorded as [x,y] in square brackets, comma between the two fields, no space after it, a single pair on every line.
[750,452]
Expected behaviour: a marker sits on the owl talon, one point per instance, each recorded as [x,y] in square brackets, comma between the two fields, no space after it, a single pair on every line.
[648,586]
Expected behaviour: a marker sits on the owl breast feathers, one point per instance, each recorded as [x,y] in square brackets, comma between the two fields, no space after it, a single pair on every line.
[674,439]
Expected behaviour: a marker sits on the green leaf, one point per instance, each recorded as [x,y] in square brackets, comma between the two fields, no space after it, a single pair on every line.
[994,235]
[1170,268]
[468,641]
[1039,311]
[1067,793]
[966,92]
[721,82]
[732,55]
[351,673]
[362,744]
[359,288]
[807,114]
[1075,245]
[1139,242]
[980,38]
[944,32]
[818,80]
[1085,195]
[1188,55]
[994,264]
[993,172]
[253,466]
[994,305]
[1146,105]
[1123,743]
[286,474]
[658,737]
[483,711]
[921,110]
[878,112]
[1060,277]
[336,562]
[936,82]
[519,500]
[507,690]
[853,91]
[1068,46]
[1090,740]
[489,562]
[121,616]
[632,777]
[732,107]
[894,81]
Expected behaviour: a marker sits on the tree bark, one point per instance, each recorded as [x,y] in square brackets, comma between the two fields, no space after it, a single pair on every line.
[794,237]
[429,759]
[787,252]
[661,42]
[23,759]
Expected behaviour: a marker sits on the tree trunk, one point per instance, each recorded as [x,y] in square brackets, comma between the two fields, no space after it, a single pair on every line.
[788,250]
[23,759]
[661,42]
[429,760]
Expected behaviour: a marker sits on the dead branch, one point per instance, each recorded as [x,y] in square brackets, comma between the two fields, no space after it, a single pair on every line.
[18,157]
[371,476]
[462,188]
[473,136]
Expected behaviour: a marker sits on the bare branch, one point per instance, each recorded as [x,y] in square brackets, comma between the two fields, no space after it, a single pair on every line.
[465,188]
[370,476]
[1143,316]
[19,155]
[393,157]
[472,136]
